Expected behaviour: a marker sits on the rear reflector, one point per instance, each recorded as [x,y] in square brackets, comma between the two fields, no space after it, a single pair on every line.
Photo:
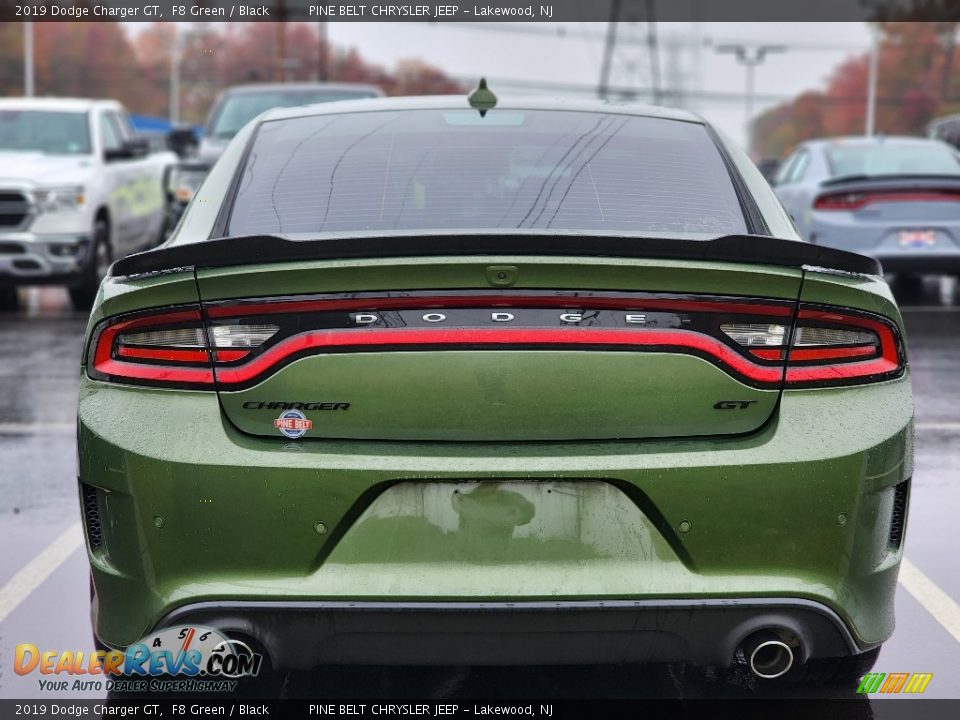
[247,341]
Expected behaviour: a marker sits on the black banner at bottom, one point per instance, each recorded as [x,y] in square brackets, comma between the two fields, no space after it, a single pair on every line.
[772,709]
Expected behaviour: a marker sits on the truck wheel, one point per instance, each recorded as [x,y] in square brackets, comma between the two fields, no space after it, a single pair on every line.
[83,294]
[8,299]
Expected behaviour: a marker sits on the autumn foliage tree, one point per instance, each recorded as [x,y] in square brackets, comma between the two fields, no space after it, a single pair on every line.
[102,60]
[918,79]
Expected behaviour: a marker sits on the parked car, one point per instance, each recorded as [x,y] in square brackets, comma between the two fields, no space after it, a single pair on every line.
[894,198]
[233,109]
[521,383]
[78,189]
[946,128]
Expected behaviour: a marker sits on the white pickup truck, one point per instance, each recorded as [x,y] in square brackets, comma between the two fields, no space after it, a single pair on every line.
[78,189]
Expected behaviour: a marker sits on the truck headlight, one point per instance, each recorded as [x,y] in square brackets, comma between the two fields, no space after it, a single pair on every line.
[59,199]
[185,180]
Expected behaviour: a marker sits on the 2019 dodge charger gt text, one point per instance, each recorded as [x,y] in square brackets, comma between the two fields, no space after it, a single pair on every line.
[547,382]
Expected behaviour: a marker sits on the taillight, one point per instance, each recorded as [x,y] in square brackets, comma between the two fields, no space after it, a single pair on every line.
[170,348]
[854,200]
[762,343]
[827,347]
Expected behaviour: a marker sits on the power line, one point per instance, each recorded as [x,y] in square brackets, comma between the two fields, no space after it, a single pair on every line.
[549,86]
[562,32]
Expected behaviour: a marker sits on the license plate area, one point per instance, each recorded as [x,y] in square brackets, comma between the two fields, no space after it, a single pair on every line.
[917,239]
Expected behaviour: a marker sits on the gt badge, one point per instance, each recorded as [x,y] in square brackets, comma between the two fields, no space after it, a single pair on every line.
[293,424]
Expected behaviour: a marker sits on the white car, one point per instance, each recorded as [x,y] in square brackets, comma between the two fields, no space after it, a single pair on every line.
[78,189]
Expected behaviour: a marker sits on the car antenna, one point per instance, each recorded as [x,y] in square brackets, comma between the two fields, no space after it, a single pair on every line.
[482,99]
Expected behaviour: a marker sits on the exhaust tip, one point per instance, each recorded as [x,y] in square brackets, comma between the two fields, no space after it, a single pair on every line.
[767,656]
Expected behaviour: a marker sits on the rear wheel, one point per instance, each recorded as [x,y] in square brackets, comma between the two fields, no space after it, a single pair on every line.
[82,295]
[8,299]
[908,285]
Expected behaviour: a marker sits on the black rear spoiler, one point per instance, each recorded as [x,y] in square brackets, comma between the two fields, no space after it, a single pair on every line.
[251,249]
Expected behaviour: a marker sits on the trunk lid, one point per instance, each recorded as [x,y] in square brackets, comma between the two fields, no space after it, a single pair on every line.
[508,348]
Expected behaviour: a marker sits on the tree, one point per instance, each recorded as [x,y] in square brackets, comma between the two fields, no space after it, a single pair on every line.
[102,60]
[917,81]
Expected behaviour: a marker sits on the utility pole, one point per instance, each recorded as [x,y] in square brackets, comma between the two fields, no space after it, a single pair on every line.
[608,47]
[176,60]
[281,66]
[870,122]
[323,58]
[749,56]
[623,31]
[653,52]
[175,52]
[28,82]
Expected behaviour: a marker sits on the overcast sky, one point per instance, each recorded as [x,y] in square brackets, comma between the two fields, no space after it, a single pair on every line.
[813,50]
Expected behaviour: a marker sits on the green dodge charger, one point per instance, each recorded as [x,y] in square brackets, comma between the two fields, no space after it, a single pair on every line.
[432,381]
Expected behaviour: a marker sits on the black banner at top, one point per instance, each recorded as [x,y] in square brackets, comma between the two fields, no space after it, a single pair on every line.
[470,11]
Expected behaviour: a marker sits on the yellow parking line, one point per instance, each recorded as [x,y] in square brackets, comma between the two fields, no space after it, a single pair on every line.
[934,600]
[35,572]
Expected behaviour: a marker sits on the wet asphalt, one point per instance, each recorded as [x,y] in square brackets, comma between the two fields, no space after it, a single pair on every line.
[40,345]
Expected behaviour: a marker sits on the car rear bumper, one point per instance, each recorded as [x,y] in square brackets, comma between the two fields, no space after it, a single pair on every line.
[704,631]
[27,258]
[290,536]
[936,263]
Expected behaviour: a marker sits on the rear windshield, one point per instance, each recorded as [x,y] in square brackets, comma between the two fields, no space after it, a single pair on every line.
[437,170]
[235,111]
[891,158]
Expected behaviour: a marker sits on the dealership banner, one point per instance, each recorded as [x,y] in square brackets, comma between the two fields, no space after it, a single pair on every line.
[460,11]
[784,709]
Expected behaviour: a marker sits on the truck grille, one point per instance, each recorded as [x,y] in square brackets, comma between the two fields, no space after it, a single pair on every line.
[14,209]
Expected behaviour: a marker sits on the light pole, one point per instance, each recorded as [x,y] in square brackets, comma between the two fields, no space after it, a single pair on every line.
[176,58]
[749,56]
[28,85]
[870,122]
[175,51]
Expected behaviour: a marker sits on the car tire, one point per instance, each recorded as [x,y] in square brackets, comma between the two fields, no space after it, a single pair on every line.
[83,293]
[8,299]
[908,285]
[837,671]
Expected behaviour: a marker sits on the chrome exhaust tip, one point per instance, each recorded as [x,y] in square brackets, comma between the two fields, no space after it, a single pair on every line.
[767,656]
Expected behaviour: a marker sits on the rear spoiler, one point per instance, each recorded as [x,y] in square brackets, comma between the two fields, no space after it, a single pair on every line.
[253,249]
[891,180]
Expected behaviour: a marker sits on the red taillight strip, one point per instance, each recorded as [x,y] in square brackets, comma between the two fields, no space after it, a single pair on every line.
[178,354]
[172,354]
[344,339]
[845,371]
[429,302]
[815,353]
[155,373]
[836,202]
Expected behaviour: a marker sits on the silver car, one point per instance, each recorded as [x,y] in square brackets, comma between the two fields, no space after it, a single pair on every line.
[894,198]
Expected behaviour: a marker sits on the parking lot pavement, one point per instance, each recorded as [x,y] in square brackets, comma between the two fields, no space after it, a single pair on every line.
[43,573]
